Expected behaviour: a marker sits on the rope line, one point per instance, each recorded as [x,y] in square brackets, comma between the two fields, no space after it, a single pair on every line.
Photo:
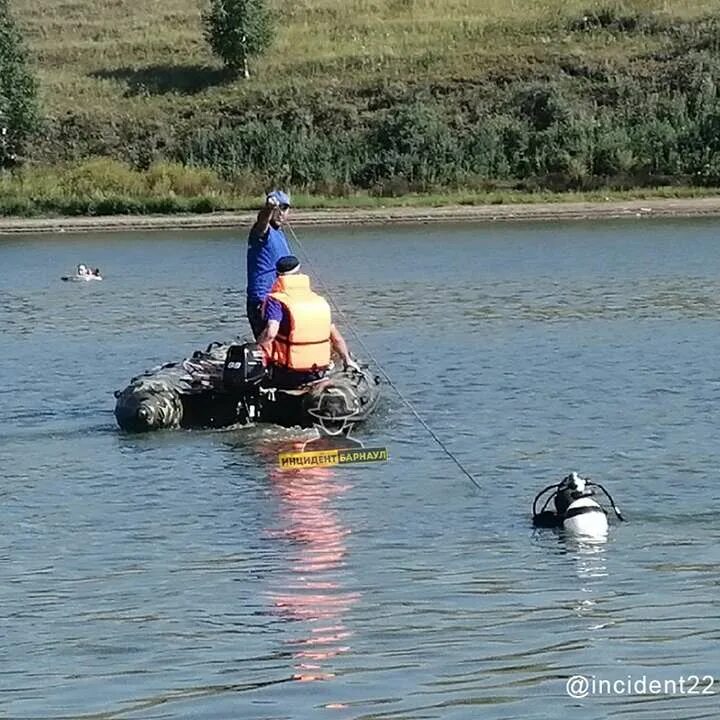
[388,379]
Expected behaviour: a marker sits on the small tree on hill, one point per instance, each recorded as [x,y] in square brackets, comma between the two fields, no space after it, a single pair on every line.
[238,29]
[18,91]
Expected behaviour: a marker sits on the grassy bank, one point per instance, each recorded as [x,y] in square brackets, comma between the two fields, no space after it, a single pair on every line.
[107,187]
[381,98]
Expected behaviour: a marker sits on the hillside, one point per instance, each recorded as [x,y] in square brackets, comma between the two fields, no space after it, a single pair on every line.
[391,95]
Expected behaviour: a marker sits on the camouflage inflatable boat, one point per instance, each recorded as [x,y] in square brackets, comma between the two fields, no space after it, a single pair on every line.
[227,384]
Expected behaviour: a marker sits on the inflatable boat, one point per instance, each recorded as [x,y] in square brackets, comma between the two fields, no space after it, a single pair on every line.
[227,384]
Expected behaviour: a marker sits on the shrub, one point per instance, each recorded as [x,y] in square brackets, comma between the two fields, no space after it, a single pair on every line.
[237,30]
[102,176]
[178,179]
[19,115]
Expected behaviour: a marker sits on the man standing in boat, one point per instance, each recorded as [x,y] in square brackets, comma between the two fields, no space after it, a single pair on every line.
[266,245]
[299,333]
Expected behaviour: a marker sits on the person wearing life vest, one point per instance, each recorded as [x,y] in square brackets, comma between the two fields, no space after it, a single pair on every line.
[299,334]
[266,245]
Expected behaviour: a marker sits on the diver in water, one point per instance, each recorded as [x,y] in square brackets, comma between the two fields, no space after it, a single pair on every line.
[575,507]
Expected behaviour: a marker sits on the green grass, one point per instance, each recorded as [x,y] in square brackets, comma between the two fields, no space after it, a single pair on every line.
[378,98]
[144,56]
[103,187]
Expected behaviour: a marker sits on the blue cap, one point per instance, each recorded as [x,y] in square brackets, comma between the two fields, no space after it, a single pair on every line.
[280,196]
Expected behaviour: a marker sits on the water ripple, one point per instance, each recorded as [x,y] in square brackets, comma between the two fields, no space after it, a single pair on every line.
[182,574]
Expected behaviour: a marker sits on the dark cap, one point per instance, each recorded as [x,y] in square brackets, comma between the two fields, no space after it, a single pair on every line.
[287,264]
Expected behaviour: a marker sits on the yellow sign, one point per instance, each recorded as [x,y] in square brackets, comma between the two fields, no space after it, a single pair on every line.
[326,458]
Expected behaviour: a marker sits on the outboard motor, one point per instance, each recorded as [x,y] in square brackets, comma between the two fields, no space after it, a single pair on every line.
[243,372]
[576,510]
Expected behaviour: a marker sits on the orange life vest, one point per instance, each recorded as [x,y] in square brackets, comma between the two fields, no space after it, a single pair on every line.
[307,345]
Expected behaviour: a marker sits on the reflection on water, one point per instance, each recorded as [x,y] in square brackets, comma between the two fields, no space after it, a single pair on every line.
[590,557]
[585,569]
[311,593]
[591,566]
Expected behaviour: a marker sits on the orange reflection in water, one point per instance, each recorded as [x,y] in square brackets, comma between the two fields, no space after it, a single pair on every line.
[313,593]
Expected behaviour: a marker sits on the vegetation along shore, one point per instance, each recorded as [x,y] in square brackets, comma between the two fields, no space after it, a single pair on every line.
[363,103]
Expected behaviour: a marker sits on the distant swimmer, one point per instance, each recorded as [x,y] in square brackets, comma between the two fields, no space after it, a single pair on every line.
[83,273]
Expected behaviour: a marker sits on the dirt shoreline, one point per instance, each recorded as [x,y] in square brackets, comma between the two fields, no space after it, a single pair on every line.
[672,207]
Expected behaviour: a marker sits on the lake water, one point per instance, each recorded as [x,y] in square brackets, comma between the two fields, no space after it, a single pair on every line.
[181,575]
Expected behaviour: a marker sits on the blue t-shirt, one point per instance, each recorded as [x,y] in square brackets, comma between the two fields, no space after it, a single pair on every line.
[262,254]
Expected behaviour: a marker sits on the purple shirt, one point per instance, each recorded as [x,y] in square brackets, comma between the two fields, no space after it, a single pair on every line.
[274,311]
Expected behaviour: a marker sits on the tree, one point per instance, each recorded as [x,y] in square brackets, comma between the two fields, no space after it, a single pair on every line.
[238,29]
[18,91]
